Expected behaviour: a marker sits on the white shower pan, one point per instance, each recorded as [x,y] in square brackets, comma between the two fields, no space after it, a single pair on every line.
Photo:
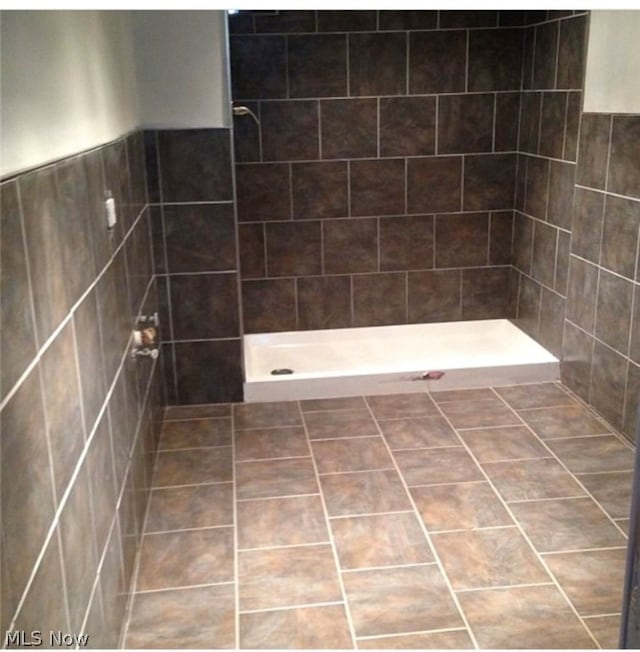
[392,360]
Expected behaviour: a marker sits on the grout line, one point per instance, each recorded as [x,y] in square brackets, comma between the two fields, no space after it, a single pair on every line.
[345,571]
[280,497]
[286,546]
[501,587]
[565,551]
[184,587]
[369,514]
[381,637]
[290,607]
[236,568]
[333,546]
[187,529]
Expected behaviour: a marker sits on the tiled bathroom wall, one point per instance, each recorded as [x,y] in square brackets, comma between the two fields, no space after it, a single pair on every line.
[77,413]
[601,347]
[379,186]
[195,248]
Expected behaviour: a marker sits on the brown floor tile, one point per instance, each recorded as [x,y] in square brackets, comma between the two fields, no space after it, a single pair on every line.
[532,480]
[360,454]
[180,508]
[281,522]
[574,524]
[195,433]
[563,421]
[322,404]
[499,444]
[535,395]
[340,423]
[593,454]
[527,617]
[213,410]
[460,506]
[606,629]
[398,600]
[483,558]
[380,540]
[611,490]
[592,580]
[479,414]
[201,617]
[623,524]
[421,432]
[266,415]
[194,466]
[463,395]
[304,628]
[176,559]
[364,493]
[271,443]
[275,478]
[437,466]
[396,406]
[287,577]
[456,639]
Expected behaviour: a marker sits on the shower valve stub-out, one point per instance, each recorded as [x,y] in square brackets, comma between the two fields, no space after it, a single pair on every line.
[429,375]
[245,110]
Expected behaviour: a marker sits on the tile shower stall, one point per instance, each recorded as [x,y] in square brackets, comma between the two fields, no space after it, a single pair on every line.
[405,167]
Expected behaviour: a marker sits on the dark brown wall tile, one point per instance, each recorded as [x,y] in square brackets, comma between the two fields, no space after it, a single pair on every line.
[289,130]
[620,235]
[474,18]
[515,18]
[521,179]
[324,302]
[574,109]
[18,340]
[44,239]
[406,242]
[530,112]
[613,311]
[197,363]
[377,64]
[552,308]
[577,349]
[495,60]
[571,52]
[377,187]
[500,238]
[561,189]
[434,184]
[593,149]
[258,67]
[609,374]
[544,253]
[624,165]
[240,22]
[465,123]
[562,262]
[101,238]
[269,305]
[139,262]
[507,122]
[434,296]
[158,240]
[27,492]
[293,248]
[252,252]
[285,22]
[634,348]
[527,58]
[587,224]
[349,128]
[544,70]
[632,402]
[389,20]
[485,293]
[529,306]
[200,237]
[246,135]
[320,190]
[407,126]
[489,182]
[581,296]
[202,306]
[462,240]
[523,243]
[552,125]
[350,246]
[437,62]
[117,181]
[317,65]
[379,299]
[137,171]
[263,192]
[346,21]
[195,165]
[537,187]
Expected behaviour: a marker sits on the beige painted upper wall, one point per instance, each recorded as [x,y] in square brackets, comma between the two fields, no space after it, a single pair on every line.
[67,84]
[612,81]
[181,65]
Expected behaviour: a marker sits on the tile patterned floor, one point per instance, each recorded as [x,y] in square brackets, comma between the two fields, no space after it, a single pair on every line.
[490,518]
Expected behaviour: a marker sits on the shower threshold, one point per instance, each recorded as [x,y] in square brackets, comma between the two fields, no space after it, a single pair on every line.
[392,359]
